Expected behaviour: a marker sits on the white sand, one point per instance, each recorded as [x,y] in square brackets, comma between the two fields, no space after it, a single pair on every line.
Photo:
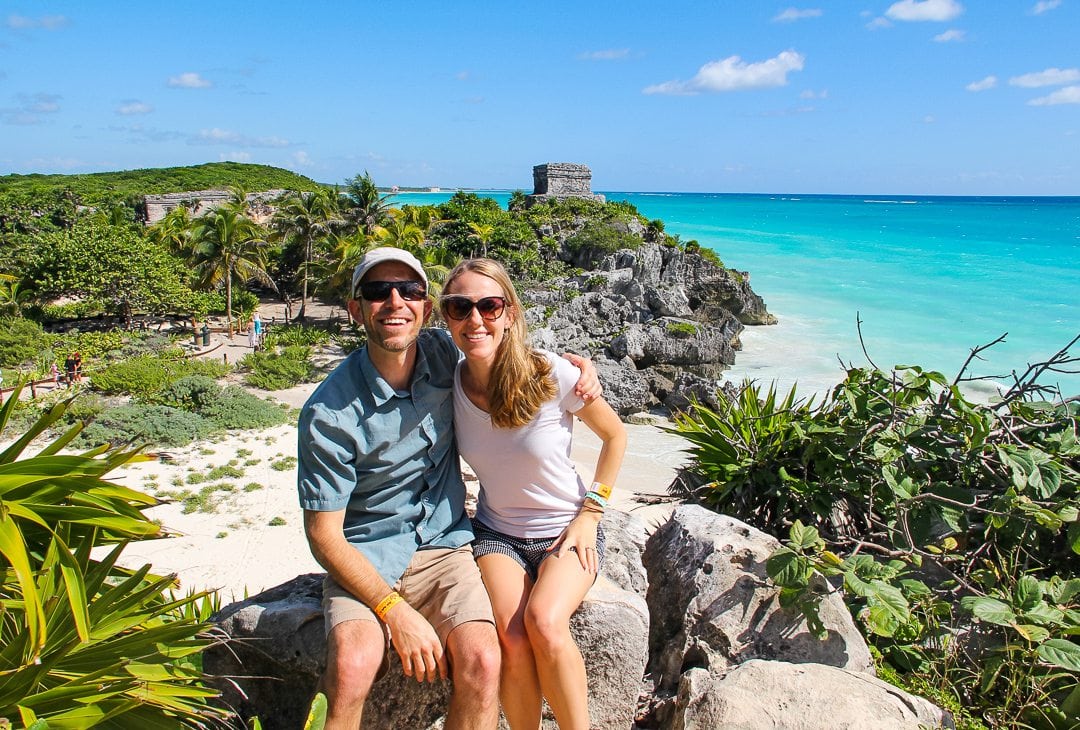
[234,547]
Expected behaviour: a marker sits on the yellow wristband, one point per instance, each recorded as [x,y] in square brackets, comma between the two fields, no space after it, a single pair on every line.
[600,488]
[391,600]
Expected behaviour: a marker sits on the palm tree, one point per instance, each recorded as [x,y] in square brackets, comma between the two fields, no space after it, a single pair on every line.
[12,296]
[364,206]
[483,233]
[228,246]
[173,232]
[305,219]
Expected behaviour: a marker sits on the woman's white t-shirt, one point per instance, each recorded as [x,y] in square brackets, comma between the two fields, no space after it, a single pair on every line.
[528,484]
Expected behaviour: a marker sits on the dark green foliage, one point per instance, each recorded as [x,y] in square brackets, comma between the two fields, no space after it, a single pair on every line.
[939,517]
[602,238]
[229,407]
[285,335]
[131,185]
[116,267]
[145,375]
[145,424]
[20,341]
[280,369]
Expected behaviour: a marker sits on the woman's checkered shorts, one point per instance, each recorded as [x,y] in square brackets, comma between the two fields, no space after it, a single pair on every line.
[528,552]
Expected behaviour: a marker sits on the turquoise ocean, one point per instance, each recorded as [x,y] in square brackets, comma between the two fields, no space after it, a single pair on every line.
[929,277]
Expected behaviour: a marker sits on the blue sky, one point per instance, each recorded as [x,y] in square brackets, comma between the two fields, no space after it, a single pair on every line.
[951,97]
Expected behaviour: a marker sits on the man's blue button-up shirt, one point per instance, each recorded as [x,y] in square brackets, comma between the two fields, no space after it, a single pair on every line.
[387,457]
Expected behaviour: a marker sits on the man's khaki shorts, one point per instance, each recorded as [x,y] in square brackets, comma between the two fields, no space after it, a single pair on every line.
[443,584]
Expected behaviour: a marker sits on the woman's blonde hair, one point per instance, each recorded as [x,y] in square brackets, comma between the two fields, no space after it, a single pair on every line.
[521,377]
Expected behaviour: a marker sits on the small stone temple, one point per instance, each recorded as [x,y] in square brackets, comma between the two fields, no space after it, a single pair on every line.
[560,180]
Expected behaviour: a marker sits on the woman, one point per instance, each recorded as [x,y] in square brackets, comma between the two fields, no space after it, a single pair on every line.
[538,539]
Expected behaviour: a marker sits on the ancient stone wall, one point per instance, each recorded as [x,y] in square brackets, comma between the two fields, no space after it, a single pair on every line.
[201,201]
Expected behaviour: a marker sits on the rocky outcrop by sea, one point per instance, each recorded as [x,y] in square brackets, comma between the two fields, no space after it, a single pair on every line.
[682,630]
[662,323]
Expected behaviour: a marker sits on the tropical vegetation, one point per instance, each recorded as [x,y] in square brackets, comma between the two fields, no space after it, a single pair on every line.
[951,528]
[83,641]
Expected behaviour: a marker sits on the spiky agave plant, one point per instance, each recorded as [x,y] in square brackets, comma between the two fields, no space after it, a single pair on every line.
[83,641]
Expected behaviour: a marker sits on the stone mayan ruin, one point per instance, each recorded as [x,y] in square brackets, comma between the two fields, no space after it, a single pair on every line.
[199,202]
[561,180]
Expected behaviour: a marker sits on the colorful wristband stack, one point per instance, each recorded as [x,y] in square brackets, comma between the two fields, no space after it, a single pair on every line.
[599,493]
[391,600]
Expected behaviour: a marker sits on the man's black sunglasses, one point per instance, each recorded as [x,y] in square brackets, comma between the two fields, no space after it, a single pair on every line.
[459,307]
[379,291]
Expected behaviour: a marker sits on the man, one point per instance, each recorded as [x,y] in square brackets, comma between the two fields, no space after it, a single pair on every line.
[384,507]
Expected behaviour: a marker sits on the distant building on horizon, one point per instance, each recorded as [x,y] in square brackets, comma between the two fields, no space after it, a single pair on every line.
[561,180]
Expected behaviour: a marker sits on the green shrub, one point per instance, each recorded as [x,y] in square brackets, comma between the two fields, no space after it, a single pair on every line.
[284,463]
[288,335]
[953,527]
[682,329]
[235,408]
[277,370]
[602,238]
[70,310]
[145,376]
[20,341]
[145,424]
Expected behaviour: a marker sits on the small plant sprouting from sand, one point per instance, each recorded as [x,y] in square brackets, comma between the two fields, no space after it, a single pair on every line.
[252,487]
[243,453]
[284,463]
[205,451]
[277,522]
[221,535]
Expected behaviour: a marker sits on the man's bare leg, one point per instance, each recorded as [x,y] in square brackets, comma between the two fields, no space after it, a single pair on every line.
[354,654]
[474,667]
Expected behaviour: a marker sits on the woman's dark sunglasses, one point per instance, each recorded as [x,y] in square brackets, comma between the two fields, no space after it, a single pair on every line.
[379,291]
[460,307]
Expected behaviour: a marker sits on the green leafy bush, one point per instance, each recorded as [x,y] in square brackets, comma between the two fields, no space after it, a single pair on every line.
[86,642]
[235,408]
[20,341]
[146,424]
[953,528]
[279,369]
[682,329]
[144,376]
[289,335]
[602,238]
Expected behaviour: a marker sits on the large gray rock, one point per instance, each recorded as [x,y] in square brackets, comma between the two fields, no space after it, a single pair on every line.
[768,695]
[270,666]
[713,607]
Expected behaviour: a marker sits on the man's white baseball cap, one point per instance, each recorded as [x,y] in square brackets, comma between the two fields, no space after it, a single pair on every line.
[382,255]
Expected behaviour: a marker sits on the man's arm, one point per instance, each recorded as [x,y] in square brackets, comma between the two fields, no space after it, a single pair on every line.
[588,385]
[415,640]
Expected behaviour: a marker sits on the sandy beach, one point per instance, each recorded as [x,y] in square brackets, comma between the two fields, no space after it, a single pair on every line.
[247,535]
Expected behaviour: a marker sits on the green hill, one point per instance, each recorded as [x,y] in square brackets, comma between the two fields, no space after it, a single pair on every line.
[128,185]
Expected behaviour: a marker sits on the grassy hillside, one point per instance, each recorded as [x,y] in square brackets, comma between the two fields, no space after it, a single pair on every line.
[127,185]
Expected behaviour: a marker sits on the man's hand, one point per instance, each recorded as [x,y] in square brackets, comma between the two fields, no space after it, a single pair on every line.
[416,643]
[588,386]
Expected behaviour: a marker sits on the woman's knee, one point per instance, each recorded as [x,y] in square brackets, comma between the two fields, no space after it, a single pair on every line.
[548,633]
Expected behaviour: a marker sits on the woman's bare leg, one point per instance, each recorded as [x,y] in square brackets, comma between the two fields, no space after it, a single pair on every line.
[509,586]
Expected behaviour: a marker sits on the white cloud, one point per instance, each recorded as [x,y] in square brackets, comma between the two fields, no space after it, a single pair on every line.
[734,74]
[302,159]
[1044,6]
[1048,77]
[916,10]
[792,14]
[462,75]
[878,23]
[134,106]
[189,80]
[225,136]
[48,22]
[235,157]
[1066,95]
[929,119]
[607,54]
[982,84]
[950,35]
[811,94]
[39,103]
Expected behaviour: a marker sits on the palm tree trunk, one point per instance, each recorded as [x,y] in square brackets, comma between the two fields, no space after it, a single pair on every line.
[304,284]
[228,298]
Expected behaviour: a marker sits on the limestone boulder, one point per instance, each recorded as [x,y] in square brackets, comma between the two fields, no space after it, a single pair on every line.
[771,695]
[276,647]
[713,607]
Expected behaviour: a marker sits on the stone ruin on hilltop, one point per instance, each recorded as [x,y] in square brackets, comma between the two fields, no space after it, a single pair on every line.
[561,180]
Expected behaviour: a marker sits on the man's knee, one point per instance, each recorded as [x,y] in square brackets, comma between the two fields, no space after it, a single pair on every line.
[355,657]
[474,654]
